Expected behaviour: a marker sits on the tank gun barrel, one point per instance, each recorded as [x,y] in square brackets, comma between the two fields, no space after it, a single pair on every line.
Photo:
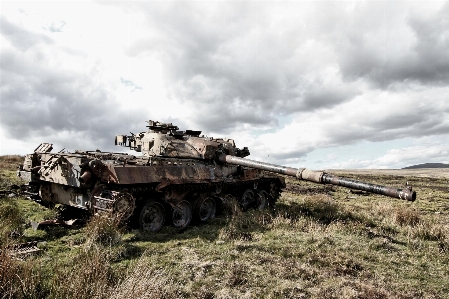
[322,177]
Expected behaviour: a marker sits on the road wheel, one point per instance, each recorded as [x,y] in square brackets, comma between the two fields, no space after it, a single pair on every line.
[205,209]
[152,217]
[182,215]
[247,199]
[261,200]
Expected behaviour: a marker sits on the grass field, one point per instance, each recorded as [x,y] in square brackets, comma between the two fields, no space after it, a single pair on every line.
[321,241]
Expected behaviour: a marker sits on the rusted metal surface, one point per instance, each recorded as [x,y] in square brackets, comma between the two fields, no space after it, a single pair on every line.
[173,171]
[180,173]
[85,177]
[53,222]
[24,249]
[257,164]
[405,194]
[112,203]
[322,177]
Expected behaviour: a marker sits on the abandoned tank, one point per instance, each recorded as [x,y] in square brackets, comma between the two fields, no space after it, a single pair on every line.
[179,176]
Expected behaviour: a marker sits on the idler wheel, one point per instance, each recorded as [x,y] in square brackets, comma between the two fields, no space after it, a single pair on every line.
[261,200]
[152,217]
[247,199]
[205,209]
[182,214]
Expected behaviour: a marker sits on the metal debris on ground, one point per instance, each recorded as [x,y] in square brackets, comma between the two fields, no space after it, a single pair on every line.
[45,223]
[24,249]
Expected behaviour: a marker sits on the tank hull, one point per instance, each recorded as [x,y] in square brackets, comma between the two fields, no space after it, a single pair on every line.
[121,184]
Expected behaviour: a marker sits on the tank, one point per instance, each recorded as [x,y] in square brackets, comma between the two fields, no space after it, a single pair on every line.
[179,177]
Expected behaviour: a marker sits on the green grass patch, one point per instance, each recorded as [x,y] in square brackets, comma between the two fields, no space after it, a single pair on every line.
[319,242]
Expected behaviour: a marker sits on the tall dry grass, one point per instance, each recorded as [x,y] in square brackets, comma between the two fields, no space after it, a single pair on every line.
[12,221]
[143,281]
[10,162]
[19,279]
[406,216]
[309,246]
[88,271]
[103,231]
[89,274]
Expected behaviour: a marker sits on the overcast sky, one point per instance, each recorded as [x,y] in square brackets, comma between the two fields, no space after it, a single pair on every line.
[330,84]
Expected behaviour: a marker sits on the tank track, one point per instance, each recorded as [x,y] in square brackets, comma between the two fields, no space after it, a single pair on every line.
[181,204]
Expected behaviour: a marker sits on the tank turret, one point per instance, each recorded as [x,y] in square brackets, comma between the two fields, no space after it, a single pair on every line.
[165,140]
[181,176]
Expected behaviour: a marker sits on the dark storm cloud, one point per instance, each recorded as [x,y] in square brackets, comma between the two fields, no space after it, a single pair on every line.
[321,96]
[409,122]
[384,60]
[295,67]
[231,59]
[40,101]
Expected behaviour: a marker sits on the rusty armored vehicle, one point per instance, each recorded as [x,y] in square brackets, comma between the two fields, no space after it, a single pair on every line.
[180,176]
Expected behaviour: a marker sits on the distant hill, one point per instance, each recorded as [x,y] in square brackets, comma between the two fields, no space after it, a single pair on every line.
[428,165]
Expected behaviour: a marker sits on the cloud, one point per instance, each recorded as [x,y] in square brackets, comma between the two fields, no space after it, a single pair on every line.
[399,158]
[245,69]
[55,104]
[397,45]
[20,38]
[284,78]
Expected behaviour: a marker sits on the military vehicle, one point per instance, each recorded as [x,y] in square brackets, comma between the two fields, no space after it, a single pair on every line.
[180,176]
